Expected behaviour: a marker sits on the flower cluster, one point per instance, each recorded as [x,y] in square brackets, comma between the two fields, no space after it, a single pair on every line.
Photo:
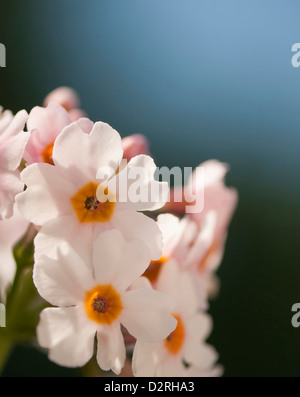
[123,272]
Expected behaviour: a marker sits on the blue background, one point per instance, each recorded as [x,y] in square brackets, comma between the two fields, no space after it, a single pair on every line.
[201,79]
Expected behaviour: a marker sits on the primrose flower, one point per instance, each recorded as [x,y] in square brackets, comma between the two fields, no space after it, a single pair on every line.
[44,125]
[11,231]
[12,144]
[184,352]
[218,198]
[68,99]
[95,299]
[85,193]
[187,244]
[133,145]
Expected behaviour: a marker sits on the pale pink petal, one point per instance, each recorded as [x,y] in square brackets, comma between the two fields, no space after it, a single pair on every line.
[15,126]
[47,196]
[199,327]
[134,145]
[214,172]
[84,154]
[171,367]
[137,226]
[203,356]
[111,351]
[85,124]
[179,285]
[178,236]
[11,185]
[13,141]
[67,334]
[61,231]
[65,96]
[140,283]
[221,199]
[76,114]
[147,315]
[50,121]
[145,358]
[168,225]
[35,148]
[203,240]
[64,281]
[117,262]
[135,187]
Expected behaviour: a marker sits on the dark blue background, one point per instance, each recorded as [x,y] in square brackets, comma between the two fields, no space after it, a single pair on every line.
[201,79]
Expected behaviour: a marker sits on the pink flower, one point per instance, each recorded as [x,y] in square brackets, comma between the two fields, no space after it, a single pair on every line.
[44,125]
[12,144]
[186,344]
[134,145]
[66,198]
[94,299]
[185,244]
[68,99]
[217,198]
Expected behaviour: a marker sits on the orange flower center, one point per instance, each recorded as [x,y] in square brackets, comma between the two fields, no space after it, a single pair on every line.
[47,154]
[174,341]
[103,304]
[88,208]
[153,270]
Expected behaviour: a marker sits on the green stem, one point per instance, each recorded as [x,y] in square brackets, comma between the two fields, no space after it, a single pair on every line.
[6,346]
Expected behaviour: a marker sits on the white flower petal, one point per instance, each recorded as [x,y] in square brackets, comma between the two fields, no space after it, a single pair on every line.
[87,153]
[168,225]
[68,336]
[111,352]
[169,280]
[146,315]
[61,231]
[62,282]
[203,356]
[85,124]
[47,196]
[203,241]
[146,357]
[214,172]
[13,141]
[171,367]
[140,283]
[199,327]
[135,187]
[49,121]
[10,186]
[137,226]
[117,262]
[180,285]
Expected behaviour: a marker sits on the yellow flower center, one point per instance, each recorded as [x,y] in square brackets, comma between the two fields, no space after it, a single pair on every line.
[103,304]
[153,270]
[174,341]
[88,208]
[47,154]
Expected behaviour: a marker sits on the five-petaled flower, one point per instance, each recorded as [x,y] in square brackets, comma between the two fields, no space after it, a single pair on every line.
[95,298]
[85,192]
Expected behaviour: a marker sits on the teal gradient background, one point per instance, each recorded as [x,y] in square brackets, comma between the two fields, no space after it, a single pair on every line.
[201,79]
